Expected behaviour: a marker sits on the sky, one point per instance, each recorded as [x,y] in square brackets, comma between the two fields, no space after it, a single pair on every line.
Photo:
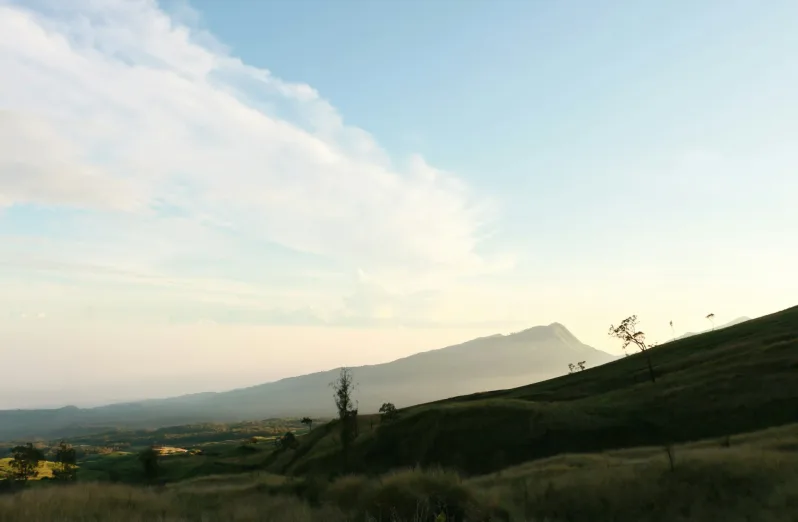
[205,195]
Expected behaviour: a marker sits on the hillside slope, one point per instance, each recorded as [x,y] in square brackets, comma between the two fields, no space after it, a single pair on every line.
[498,361]
[737,321]
[732,380]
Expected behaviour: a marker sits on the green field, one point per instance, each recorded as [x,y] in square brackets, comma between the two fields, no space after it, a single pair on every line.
[45,469]
[217,458]
[189,451]
[715,438]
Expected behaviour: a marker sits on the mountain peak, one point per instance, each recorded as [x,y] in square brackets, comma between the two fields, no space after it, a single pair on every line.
[553,330]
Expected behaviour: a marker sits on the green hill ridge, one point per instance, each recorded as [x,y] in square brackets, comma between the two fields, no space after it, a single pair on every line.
[732,380]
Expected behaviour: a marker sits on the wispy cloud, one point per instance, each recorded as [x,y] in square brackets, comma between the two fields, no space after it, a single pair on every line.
[117,108]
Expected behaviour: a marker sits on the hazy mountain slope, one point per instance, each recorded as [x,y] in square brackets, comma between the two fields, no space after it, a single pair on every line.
[730,323]
[733,380]
[488,363]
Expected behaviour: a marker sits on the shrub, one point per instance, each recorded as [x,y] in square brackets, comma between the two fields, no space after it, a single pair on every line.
[420,496]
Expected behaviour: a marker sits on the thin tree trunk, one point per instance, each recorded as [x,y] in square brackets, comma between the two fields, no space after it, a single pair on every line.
[650,368]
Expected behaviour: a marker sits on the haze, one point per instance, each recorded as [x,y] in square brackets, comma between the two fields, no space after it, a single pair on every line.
[205,196]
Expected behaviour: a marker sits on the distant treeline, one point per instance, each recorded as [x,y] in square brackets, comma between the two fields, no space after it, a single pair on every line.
[185,435]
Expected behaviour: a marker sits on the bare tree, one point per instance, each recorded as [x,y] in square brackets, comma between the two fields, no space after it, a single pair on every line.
[628,333]
[711,319]
[343,388]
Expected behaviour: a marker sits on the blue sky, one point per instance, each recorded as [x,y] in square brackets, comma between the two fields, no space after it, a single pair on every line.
[308,184]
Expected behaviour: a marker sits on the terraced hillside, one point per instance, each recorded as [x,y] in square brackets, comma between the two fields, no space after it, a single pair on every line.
[734,380]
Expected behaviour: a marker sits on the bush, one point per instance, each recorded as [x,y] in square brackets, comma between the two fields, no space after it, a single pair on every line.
[420,496]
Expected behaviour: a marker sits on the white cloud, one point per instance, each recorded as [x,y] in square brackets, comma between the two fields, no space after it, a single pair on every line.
[115,106]
[38,165]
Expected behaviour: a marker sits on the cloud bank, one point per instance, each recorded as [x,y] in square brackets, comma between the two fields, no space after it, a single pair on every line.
[164,146]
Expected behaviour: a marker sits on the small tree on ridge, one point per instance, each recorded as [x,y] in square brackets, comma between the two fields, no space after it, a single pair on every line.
[628,333]
[343,388]
[389,411]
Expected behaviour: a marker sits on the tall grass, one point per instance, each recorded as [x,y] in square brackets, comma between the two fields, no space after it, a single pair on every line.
[754,477]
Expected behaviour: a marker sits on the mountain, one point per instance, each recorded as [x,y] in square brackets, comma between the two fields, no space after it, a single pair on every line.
[712,386]
[487,363]
[730,323]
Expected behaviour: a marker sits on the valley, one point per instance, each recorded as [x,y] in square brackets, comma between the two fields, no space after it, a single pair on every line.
[715,436]
[497,361]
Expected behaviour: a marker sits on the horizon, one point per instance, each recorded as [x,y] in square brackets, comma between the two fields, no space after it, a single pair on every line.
[325,370]
[199,197]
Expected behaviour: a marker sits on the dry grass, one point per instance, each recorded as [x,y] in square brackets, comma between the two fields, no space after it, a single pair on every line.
[749,477]
[746,477]
[116,503]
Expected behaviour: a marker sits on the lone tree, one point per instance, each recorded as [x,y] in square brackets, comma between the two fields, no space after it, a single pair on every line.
[25,461]
[149,461]
[389,411]
[711,319]
[343,388]
[66,467]
[673,331]
[572,368]
[289,441]
[628,333]
[307,421]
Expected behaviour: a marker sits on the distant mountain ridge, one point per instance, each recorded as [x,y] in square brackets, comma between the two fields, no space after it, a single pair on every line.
[486,363]
[726,325]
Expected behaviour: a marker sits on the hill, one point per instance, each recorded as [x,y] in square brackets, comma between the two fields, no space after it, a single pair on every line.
[730,323]
[732,380]
[748,477]
[498,361]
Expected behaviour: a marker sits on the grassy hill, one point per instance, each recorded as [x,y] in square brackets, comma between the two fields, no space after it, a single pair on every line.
[747,477]
[725,325]
[486,363]
[715,438]
[737,379]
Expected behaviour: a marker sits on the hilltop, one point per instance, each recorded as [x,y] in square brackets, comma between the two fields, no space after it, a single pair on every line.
[497,361]
[732,380]
[739,320]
